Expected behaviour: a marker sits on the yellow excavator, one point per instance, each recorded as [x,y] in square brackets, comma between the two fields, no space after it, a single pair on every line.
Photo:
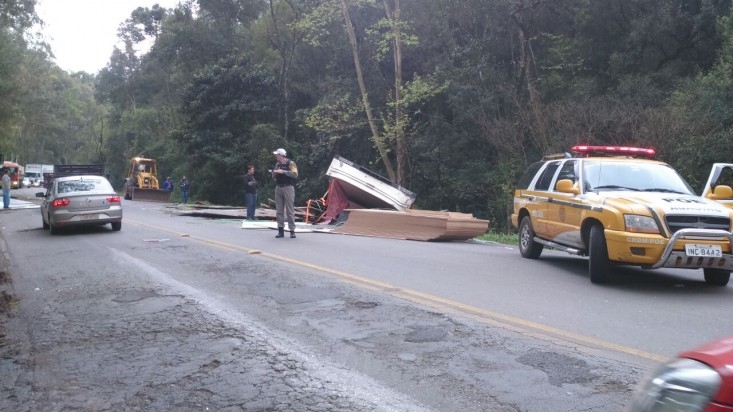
[141,182]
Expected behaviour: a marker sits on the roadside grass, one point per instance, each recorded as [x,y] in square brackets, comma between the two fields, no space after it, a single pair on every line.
[505,238]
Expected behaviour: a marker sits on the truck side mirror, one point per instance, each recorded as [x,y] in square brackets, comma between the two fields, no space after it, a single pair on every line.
[721,192]
[566,186]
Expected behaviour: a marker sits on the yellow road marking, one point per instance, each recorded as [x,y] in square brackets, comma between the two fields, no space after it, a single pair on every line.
[482,315]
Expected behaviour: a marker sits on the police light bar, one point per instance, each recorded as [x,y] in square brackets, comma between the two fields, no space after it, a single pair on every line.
[614,151]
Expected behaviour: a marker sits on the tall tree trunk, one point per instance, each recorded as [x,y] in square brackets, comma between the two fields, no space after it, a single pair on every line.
[523,20]
[100,142]
[400,144]
[364,96]
[286,51]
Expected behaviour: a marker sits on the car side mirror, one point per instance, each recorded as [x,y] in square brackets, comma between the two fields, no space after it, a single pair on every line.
[40,194]
[721,192]
[566,186]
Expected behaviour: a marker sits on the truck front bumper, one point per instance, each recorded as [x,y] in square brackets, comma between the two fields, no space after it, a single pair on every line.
[678,258]
[654,251]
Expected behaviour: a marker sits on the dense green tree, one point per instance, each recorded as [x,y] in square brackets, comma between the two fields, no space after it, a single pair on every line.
[18,15]
[702,111]
[225,102]
[277,40]
[58,116]
[16,18]
[12,49]
[46,114]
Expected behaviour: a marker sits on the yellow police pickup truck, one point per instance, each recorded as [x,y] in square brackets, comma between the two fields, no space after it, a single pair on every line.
[617,205]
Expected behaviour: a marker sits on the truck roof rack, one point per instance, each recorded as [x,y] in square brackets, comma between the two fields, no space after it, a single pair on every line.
[555,156]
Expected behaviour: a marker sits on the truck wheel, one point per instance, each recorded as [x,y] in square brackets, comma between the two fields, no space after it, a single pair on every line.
[116,226]
[599,267]
[527,246]
[716,277]
[127,193]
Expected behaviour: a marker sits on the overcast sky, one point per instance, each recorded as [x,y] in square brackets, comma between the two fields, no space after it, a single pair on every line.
[83,33]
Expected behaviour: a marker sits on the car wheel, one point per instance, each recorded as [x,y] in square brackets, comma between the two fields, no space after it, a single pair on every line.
[599,267]
[45,225]
[527,246]
[716,277]
[116,226]
[54,229]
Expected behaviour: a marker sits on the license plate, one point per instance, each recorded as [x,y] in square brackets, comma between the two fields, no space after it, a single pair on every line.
[703,250]
[88,217]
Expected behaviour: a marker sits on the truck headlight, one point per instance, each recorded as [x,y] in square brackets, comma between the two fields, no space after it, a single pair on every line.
[640,224]
[681,385]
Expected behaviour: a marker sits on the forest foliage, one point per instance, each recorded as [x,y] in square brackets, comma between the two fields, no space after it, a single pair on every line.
[449,98]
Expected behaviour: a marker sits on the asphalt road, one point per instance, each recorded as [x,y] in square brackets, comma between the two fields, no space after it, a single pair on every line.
[654,314]
[179,313]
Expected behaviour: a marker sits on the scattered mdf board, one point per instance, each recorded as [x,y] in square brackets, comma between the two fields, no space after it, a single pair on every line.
[412,224]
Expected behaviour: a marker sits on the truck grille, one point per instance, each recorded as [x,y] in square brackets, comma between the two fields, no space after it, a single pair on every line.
[675,222]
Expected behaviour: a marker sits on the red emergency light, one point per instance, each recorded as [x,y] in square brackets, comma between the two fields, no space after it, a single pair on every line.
[614,151]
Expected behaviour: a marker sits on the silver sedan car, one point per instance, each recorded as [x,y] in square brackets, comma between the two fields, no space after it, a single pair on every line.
[80,201]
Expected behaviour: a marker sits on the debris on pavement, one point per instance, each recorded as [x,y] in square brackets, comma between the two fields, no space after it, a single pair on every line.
[359,202]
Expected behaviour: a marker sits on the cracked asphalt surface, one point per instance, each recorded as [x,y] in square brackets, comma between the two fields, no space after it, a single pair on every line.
[179,326]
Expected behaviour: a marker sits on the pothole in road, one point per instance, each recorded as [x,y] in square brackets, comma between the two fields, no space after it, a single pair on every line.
[301,295]
[362,305]
[134,297]
[560,369]
[426,334]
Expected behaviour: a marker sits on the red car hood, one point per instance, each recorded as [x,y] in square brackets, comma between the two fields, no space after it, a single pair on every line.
[718,355]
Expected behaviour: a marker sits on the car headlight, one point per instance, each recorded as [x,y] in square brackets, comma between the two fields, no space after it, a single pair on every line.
[681,385]
[640,224]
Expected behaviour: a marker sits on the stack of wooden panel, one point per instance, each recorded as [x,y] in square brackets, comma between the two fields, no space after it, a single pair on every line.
[412,224]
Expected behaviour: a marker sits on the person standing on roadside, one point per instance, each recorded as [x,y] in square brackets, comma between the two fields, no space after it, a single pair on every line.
[6,189]
[285,174]
[184,190]
[250,192]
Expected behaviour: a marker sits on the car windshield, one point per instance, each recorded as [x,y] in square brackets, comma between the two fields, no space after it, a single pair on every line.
[641,176]
[84,185]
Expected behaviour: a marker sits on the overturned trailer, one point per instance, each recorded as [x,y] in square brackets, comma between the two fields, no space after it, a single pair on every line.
[367,189]
[362,202]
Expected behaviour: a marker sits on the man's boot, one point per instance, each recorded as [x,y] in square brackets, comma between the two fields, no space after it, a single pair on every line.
[280,232]
[292,234]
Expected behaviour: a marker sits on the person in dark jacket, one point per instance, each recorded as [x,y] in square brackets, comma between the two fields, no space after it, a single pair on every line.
[285,174]
[250,192]
[184,189]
